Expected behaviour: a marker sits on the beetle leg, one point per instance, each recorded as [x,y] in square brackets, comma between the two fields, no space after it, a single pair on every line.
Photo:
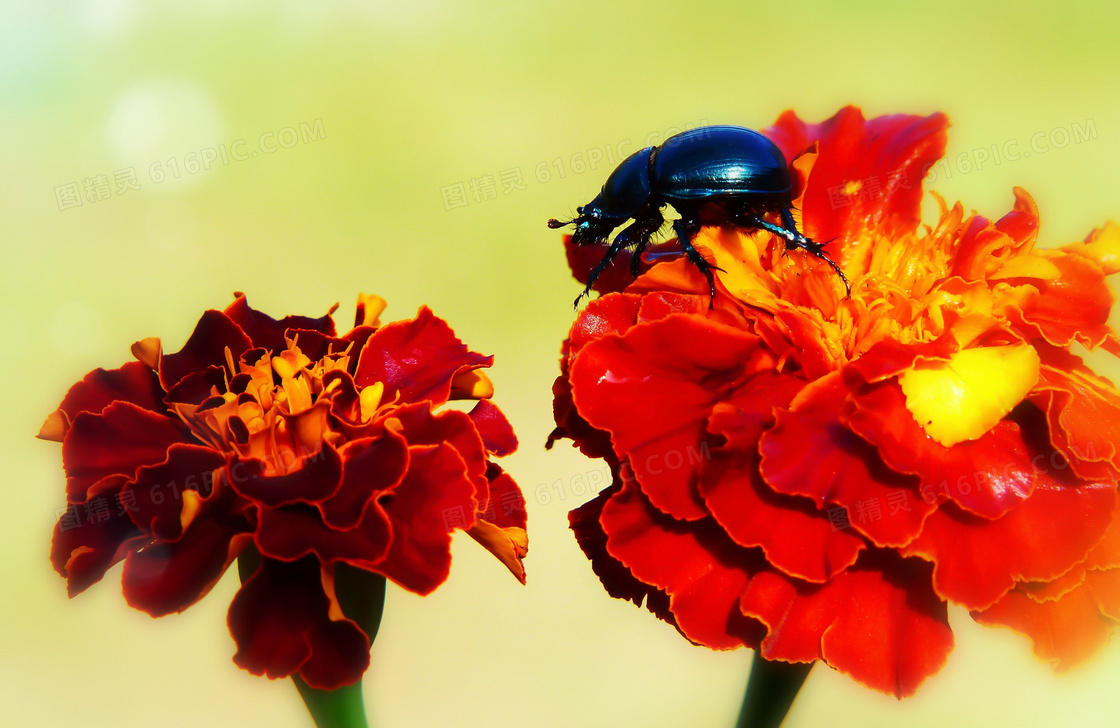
[794,239]
[684,232]
[648,223]
[621,241]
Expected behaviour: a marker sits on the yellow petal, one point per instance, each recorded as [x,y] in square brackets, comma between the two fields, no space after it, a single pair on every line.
[1102,246]
[472,385]
[963,398]
[369,310]
[290,361]
[370,399]
[192,502]
[1027,266]
[299,395]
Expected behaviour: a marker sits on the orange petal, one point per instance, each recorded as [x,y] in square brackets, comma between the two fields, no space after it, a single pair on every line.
[1065,631]
[147,351]
[739,253]
[54,427]
[509,544]
[1083,413]
[1072,307]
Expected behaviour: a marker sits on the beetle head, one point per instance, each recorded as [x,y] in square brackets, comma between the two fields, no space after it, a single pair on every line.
[591,225]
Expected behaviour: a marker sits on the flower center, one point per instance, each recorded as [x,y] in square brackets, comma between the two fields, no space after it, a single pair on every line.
[275,408]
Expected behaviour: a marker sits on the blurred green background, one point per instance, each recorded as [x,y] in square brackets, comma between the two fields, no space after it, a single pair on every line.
[415,150]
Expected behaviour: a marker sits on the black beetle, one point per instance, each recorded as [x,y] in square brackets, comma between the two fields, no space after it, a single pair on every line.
[711,175]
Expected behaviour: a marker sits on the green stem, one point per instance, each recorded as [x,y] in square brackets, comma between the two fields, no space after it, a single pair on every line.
[771,688]
[341,708]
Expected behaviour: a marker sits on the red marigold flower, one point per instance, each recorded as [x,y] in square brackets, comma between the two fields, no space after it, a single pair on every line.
[328,454]
[817,477]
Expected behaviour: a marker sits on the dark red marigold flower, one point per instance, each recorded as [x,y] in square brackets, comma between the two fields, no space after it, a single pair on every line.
[817,477]
[325,453]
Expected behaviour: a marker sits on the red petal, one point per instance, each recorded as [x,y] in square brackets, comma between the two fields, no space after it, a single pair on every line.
[315,344]
[352,526]
[1102,557]
[157,490]
[796,537]
[615,277]
[359,335]
[615,577]
[701,570]
[133,383]
[214,333]
[416,358]
[267,332]
[92,536]
[1066,631]
[169,576]
[506,508]
[346,408]
[435,497]
[501,522]
[653,389]
[977,561]
[1022,222]
[292,532]
[844,469]
[887,156]
[319,477]
[611,314]
[370,466]
[1048,591]
[659,304]
[988,476]
[496,431]
[878,622]
[591,442]
[115,442]
[889,358]
[197,387]
[423,427]
[281,622]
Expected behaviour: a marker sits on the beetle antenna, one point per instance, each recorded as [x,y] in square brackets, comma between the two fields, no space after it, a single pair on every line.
[554,224]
